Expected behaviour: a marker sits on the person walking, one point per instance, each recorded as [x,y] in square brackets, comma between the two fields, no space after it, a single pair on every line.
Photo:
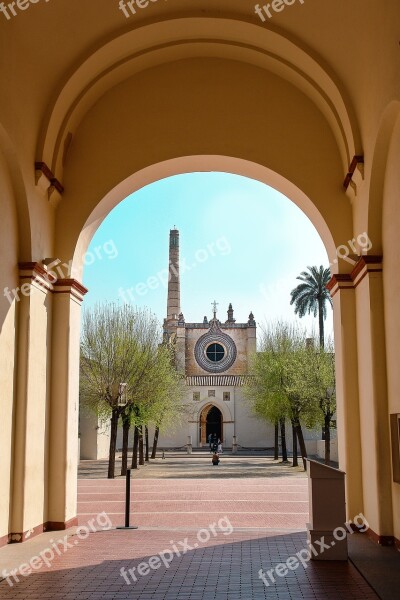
[210,437]
[219,447]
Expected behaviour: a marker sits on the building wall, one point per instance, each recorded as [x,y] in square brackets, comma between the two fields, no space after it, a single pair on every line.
[94,437]
[8,278]
[391,280]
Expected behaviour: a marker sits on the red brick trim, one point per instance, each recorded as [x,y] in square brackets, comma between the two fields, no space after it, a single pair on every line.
[60,525]
[41,166]
[366,261]
[382,540]
[339,278]
[357,159]
[34,271]
[35,267]
[364,265]
[339,282]
[71,286]
[19,538]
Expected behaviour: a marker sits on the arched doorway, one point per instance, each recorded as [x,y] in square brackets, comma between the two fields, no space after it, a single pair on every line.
[214,423]
[211,421]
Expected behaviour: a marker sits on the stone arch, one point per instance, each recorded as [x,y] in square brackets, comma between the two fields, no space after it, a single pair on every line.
[188,128]
[147,45]
[114,154]
[226,413]
[202,417]
[198,164]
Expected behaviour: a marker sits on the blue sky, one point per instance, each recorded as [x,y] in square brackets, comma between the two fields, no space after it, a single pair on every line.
[240,241]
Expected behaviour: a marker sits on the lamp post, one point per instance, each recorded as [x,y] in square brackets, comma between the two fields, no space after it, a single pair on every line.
[123,401]
[330,392]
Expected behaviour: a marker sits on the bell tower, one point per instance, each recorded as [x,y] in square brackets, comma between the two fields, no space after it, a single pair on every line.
[174,292]
[174,324]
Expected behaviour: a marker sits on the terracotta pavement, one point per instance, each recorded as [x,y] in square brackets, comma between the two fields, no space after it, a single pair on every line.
[198,539]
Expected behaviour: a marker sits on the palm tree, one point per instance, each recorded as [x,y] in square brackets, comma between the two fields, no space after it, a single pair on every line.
[312,295]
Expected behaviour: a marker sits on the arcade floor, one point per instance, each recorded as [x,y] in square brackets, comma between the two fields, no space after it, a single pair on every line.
[223,537]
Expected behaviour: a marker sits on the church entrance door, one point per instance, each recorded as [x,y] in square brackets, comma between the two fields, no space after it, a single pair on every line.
[214,422]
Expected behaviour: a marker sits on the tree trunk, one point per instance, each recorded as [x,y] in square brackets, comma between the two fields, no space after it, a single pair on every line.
[294,437]
[283,440]
[302,445]
[276,446]
[327,439]
[155,442]
[113,443]
[135,447]
[126,425]
[321,323]
[146,434]
[141,455]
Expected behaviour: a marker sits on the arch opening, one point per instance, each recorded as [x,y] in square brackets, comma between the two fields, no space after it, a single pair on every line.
[332,236]
[210,424]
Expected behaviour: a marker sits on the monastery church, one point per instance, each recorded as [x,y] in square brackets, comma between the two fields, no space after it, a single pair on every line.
[214,357]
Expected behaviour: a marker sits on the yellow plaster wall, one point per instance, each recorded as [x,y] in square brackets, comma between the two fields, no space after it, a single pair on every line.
[391,274]
[8,327]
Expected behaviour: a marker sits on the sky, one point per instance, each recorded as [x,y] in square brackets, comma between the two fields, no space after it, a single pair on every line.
[240,242]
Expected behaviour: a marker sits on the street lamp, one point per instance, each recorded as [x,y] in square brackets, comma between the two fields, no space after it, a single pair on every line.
[122,394]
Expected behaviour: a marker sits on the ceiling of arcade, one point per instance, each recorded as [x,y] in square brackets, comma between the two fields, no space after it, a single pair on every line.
[62,57]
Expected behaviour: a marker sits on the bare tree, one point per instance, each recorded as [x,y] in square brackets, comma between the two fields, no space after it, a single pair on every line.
[119,351]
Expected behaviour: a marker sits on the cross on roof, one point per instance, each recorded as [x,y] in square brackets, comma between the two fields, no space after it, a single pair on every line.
[214,305]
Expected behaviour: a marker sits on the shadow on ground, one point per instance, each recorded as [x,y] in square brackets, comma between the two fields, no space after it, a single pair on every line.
[221,570]
[175,466]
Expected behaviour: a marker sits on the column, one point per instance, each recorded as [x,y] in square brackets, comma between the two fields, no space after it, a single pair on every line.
[347,393]
[374,411]
[64,405]
[29,468]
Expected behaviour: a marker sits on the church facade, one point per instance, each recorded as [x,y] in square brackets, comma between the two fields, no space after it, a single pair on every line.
[213,355]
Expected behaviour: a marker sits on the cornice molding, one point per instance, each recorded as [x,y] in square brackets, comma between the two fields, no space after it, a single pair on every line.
[42,169]
[36,273]
[357,160]
[365,264]
[70,286]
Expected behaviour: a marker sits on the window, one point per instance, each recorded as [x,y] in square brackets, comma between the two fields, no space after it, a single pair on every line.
[215,352]
[227,396]
[196,396]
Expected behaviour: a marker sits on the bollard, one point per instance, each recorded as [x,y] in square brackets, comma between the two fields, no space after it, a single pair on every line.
[234,445]
[189,447]
[128,502]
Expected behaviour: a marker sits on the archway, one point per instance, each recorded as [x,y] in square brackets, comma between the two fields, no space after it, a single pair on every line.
[176,89]
[211,421]
[214,423]
[98,175]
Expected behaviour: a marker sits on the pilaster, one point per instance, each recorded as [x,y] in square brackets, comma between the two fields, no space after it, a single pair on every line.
[31,407]
[64,407]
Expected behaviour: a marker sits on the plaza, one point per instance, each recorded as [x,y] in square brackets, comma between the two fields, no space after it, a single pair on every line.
[200,535]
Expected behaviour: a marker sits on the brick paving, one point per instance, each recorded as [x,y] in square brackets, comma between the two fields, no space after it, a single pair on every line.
[268,517]
[196,503]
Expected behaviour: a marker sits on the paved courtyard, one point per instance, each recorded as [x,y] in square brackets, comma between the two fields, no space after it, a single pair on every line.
[199,538]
